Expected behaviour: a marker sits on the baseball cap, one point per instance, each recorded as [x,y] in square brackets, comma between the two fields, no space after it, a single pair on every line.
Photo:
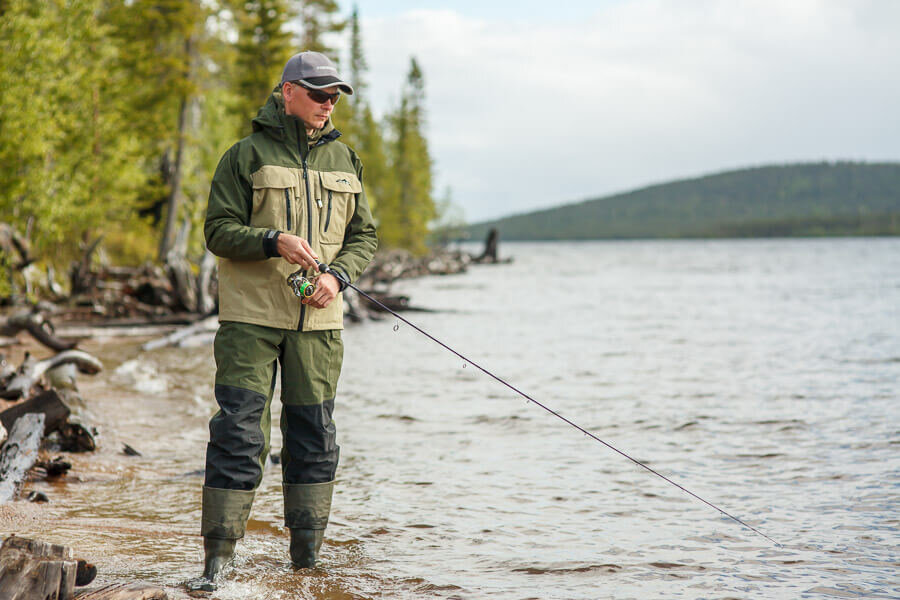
[315,71]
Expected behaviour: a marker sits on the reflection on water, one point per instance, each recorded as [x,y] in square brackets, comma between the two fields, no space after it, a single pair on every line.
[762,375]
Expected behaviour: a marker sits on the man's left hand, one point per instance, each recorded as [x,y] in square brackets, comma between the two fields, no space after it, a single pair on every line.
[327,288]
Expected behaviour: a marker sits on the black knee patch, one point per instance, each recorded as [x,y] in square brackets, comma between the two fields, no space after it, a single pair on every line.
[310,453]
[236,440]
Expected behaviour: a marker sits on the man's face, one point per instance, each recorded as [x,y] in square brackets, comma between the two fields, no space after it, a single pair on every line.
[298,103]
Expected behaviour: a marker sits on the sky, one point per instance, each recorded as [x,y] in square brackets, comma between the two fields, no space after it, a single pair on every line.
[536,104]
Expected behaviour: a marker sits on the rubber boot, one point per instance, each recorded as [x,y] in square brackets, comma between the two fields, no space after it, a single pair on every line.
[306,510]
[305,545]
[225,514]
[218,553]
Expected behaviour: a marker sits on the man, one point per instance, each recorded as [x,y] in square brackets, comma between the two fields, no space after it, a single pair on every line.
[289,194]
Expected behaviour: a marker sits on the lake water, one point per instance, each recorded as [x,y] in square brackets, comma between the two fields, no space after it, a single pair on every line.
[760,374]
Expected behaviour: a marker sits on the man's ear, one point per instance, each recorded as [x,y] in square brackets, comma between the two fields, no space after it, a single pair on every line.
[287,90]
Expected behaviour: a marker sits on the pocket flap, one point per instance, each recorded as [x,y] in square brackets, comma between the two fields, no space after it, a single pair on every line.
[270,176]
[339,181]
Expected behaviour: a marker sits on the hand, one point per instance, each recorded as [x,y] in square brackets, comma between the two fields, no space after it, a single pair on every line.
[327,288]
[296,250]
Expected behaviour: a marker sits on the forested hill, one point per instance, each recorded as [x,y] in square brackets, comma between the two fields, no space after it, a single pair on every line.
[788,200]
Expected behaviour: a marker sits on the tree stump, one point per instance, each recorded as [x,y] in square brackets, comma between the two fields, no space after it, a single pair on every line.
[32,570]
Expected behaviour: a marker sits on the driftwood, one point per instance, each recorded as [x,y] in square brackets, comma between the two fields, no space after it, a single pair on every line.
[124,591]
[48,404]
[206,296]
[6,369]
[490,247]
[80,275]
[490,255]
[33,570]
[207,325]
[11,241]
[183,280]
[35,323]
[19,453]
[30,373]
[75,437]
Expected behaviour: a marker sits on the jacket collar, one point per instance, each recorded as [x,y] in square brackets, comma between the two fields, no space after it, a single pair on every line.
[272,120]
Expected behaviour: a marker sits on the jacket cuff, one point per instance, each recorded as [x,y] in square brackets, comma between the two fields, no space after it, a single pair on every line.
[270,246]
[346,279]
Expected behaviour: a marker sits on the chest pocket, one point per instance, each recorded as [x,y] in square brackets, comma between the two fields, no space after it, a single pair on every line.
[274,198]
[339,191]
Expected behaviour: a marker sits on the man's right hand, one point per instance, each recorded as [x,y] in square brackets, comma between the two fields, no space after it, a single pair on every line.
[296,250]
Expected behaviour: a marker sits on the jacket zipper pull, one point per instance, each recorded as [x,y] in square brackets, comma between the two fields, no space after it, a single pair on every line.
[319,202]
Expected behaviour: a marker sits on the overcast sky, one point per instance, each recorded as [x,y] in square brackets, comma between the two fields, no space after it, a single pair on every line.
[534,104]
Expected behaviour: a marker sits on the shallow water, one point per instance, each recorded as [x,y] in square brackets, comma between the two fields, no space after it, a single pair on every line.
[761,375]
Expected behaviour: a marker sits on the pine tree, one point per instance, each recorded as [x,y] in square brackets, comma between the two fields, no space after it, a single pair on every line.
[162,42]
[358,125]
[263,47]
[319,19]
[406,216]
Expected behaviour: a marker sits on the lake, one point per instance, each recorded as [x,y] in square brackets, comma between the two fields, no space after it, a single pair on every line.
[761,375]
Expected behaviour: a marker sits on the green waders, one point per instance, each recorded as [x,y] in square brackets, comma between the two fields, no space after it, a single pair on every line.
[246,358]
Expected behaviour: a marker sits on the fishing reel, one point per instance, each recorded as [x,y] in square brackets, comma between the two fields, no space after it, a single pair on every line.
[301,286]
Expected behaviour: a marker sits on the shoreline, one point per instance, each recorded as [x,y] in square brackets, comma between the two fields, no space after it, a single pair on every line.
[101,336]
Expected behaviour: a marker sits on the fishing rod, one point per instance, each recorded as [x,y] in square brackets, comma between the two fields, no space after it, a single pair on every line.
[300,285]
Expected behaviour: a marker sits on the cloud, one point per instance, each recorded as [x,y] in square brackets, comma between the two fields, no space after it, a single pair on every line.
[526,114]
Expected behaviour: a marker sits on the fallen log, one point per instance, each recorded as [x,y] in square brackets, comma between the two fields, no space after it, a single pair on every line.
[125,591]
[30,569]
[206,325]
[30,374]
[35,323]
[49,404]
[19,453]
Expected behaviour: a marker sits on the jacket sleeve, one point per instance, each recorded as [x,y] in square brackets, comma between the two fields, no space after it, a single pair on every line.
[227,228]
[360,240]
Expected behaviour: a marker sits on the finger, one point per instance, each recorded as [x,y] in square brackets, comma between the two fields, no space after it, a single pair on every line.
[308,248]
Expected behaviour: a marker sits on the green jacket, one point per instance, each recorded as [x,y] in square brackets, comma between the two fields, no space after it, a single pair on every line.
[277,180]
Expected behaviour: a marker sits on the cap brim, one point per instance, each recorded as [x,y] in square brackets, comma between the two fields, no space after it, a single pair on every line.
[319,83]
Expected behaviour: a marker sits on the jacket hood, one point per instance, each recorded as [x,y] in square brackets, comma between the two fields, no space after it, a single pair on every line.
[272,119]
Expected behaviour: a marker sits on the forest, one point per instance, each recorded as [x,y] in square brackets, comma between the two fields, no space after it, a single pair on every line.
[114,114]
[814,199]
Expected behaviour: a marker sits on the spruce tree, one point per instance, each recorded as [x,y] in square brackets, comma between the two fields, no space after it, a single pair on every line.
[263,47]
[319,18]
[407,215]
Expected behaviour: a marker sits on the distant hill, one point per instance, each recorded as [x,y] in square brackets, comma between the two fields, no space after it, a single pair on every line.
[789,200]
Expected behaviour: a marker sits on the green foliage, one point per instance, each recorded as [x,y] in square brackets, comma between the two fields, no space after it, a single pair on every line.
[319,19]
[115,113]
[64,161]
[263,47]
[791,200]
[406,214]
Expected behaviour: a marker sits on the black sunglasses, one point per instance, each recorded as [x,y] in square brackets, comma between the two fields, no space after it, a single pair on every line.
[319,96]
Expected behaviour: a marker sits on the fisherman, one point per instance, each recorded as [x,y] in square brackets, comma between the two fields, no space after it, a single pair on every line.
[285,196]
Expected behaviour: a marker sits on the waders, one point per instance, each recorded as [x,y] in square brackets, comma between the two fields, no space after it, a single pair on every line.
[246,358]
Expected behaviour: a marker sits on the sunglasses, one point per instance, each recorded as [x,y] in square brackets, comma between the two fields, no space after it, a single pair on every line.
[319,96]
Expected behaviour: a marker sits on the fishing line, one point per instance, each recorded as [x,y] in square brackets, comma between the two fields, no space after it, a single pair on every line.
[326,269]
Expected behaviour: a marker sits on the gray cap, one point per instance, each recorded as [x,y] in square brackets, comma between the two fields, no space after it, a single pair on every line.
[314,70]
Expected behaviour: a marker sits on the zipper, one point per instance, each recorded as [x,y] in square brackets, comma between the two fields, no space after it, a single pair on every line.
[328,215]
[287,205]
[308,230]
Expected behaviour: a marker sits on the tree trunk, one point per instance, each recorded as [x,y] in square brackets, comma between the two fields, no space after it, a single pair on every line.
[19,454]
[168,237]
